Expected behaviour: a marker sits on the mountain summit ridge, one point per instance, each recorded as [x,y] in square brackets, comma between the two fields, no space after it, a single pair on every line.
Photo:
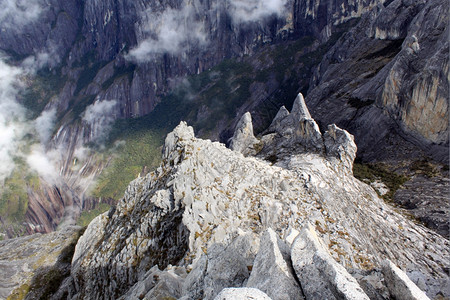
[205,200]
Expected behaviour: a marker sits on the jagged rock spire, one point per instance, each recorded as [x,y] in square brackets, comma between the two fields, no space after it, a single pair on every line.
[340,144]
[243,139]
[297,132]
[205,206]
[180,133]
[299,109]
[278,122]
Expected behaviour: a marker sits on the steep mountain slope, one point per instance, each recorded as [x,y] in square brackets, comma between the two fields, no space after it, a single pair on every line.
[92,62]
[205,208]
[389,70]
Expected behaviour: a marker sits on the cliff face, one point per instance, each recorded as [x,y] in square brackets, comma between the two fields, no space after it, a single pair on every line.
[390,70]
[318,18]
[208,210]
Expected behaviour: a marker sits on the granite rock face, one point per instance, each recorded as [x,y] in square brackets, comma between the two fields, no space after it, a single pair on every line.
[296,132]
[244,140]
[242,293]
[399,285]
[321,276]
[206,208]
[389,70]
[319,18]
[21,259]
[272,270]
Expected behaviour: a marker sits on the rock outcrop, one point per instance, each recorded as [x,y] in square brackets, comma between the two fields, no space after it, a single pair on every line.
[321,276]
[319,18]
[242,293]
[399,285]
[296,132]
[206,208]
[389,70]
[272,270]
[27,262]
[244,140]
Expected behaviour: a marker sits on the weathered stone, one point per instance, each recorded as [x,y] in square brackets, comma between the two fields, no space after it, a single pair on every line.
[372,282]
[321,277]
[272,271]
[277,124]
[242,294]
[243,139]
[195,280]
[299,110]
[383,82]
[27,260]
[426,197]
[229,266]
[340,144]
[198,207]
[399,285]
[157,284]
[291,234]
[296,132]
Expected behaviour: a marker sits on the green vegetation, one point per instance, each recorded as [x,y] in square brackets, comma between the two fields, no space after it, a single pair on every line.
[88,215]
[14,195]
[372,172]
[19,293]
[425,167]
[44,85]
[140,147]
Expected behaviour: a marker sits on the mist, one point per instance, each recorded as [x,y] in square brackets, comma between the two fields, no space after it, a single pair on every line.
[176,31]
[100,118]
[173,31]
[14,14]
[242,11]
[12,128]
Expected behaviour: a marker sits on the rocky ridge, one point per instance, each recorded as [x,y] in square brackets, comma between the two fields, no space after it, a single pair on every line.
[389,70]
[209,218]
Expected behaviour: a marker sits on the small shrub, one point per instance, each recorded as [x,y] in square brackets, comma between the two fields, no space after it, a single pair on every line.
[372,172]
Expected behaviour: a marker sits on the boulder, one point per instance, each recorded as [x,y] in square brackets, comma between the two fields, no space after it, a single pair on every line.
[272,270]
[321,277]
[242,294]
[156,284]
[399,285]
[229,266]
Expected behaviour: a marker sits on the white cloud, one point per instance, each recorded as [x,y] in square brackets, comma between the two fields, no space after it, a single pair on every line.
[173,31]
[11,117]
[242,11]
[14,125]
[47,57]
[15,14]
[45,124]
[100,117]
[43,163]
